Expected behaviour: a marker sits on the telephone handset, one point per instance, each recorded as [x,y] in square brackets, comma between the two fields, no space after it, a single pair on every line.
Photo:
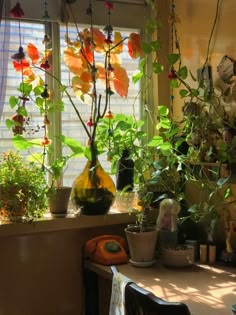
[107,249]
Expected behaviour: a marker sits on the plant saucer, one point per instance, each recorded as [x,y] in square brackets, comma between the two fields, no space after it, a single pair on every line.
[142,264]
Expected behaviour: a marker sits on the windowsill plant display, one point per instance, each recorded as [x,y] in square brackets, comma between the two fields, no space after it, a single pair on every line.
[182,151]
[80,57]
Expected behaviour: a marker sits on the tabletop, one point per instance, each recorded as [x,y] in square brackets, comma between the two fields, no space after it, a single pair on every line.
[206,289]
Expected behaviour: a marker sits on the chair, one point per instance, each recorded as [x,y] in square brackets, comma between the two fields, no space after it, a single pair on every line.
[139,301]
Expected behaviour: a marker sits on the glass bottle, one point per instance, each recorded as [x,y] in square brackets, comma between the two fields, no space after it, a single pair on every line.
[93,191]
[125,172]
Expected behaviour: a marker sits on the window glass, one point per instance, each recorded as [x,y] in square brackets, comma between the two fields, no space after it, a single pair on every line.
[30,33]
[71,127]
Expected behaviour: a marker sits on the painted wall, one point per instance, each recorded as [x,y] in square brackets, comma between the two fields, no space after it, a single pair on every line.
[196,23]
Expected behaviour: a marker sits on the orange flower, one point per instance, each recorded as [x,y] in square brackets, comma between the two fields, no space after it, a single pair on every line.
[45,141]
[109,115]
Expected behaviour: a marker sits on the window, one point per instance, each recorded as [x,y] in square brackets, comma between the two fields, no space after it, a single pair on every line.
[70,126]
[31,33]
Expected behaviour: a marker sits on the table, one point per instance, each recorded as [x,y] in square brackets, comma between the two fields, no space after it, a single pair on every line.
[205,289]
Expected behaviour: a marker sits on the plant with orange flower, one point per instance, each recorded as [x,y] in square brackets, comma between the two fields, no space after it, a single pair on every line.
[94,55]
[80,57]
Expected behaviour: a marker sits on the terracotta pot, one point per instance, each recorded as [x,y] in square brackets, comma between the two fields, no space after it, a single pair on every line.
[142,245]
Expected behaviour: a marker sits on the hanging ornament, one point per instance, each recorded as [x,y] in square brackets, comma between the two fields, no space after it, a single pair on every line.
[17,11]
[46,39]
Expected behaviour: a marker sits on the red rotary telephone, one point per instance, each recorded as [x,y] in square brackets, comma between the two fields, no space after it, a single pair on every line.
[107,250]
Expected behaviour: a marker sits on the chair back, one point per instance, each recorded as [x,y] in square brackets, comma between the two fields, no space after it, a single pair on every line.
[139,301]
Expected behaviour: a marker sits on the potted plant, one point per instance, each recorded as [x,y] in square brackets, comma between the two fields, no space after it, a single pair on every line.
[59,194]
[142,236]
[23,189]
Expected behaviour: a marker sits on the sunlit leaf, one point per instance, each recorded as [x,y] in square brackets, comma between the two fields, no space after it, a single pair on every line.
[163,110]
[72,143]
[134,45]
[74,61]
[121,81]
[78,84]
[117,39]
[156,141]
[9,123]
[13,101]
[33,52]
[137,76]
[21,143]
[99,40]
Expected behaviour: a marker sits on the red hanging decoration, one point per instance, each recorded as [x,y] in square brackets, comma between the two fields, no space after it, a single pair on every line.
[17,11]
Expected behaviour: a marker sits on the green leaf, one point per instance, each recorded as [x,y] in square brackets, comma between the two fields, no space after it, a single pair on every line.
[156,141]
[123,125]
[166,146]
[146,47]
[183,72]
[192,76]
[73,144]
[163,110]
[21,143]
[194,92]
[136,77]
[173,58]
[22,111]
[38,90]
[227,193]
[142,64]
[25,88]
[156,45]
[13,101]
[173,84]
[9,123]
[157,67]
[183,93]
[164,123]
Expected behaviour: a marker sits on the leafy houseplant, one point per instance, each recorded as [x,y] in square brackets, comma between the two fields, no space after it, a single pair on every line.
[23,189]
[59,194]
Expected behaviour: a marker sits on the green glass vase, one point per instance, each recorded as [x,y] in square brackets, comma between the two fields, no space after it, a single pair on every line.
[93,191]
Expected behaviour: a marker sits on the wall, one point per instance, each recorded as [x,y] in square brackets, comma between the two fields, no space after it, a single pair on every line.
[41,264]
[196,22]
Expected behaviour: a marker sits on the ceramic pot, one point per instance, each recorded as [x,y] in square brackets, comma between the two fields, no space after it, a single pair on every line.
[93,191]
[59,200]
[142,245]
